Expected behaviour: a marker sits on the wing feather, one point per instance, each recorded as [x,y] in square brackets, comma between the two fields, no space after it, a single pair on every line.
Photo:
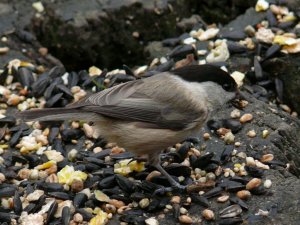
[129,101]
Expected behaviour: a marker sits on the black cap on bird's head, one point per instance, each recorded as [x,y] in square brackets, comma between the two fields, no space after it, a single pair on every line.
[203,73]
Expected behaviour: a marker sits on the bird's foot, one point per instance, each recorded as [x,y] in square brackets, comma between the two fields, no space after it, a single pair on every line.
[178,188]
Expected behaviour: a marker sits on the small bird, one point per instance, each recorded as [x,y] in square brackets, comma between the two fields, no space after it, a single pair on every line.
[146,116]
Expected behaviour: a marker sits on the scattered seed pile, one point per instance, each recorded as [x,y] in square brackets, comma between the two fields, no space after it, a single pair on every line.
[57,173]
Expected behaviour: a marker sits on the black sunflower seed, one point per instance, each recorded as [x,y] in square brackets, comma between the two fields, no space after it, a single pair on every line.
[19,158]
[49,91]
[67,93]
[231,211]
[183,150]
[148,186]
[203,161]
[33,160]
[154,205]
[7,191]
[200,200]
[66,215]
[132,219]
[230,221]
[53,101]
[258,70]
[137,196]
[275,163]
[176,169]
[59,195]
[71,134]
[3,76]
[79,200]
[39,86]
[181,51]
[214,125]
[235,47]
[107,182]
[279,88]
[232,186]
[226,154]
[176,210]
[15,138]
[213,192]
[165,66]
[234,35]
[73,79]
[51,187]
[240,202]
[85,214]
[56,71]
[254,171]
[8,120]
[128,70]
[162,180]
[124,183]
[241,180]
[51,212]
[260,190]
[271,18]
[38,204]
[7,217]
[94,160]
[54,131]
[285,25]
[272,51]
[211,167]
[25,77]
[233,125]
[29,208]
[124,155]
[17,203]
[58,146]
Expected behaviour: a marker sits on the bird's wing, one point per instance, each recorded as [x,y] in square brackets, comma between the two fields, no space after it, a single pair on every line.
[130,101]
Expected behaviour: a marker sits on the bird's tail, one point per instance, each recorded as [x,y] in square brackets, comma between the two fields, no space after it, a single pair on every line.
[54,114]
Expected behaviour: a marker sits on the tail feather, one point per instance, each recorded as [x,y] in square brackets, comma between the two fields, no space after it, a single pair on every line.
[53,114]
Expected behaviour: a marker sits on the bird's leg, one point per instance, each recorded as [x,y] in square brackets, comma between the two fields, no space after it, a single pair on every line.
[175,186]
[171,180]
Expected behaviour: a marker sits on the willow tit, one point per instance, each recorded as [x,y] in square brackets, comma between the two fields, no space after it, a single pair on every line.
[147,115]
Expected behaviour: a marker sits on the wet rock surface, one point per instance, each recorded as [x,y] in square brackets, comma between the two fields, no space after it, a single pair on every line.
[74,31]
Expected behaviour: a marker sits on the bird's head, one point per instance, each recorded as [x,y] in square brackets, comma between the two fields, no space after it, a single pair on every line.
[218,85]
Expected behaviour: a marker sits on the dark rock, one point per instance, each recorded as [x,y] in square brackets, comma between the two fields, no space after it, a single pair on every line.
[186,24]
[287,69]
[99,28]
[235,29]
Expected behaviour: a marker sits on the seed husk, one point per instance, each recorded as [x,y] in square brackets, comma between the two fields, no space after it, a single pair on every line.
[246,118]
[231,211]
[151,221]
[223,198]
[244,194]
[267,183]
[208,214]
[267,158]
[185,219]
[254,183]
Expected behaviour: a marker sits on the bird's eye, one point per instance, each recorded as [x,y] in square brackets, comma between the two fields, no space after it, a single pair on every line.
[226,87]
